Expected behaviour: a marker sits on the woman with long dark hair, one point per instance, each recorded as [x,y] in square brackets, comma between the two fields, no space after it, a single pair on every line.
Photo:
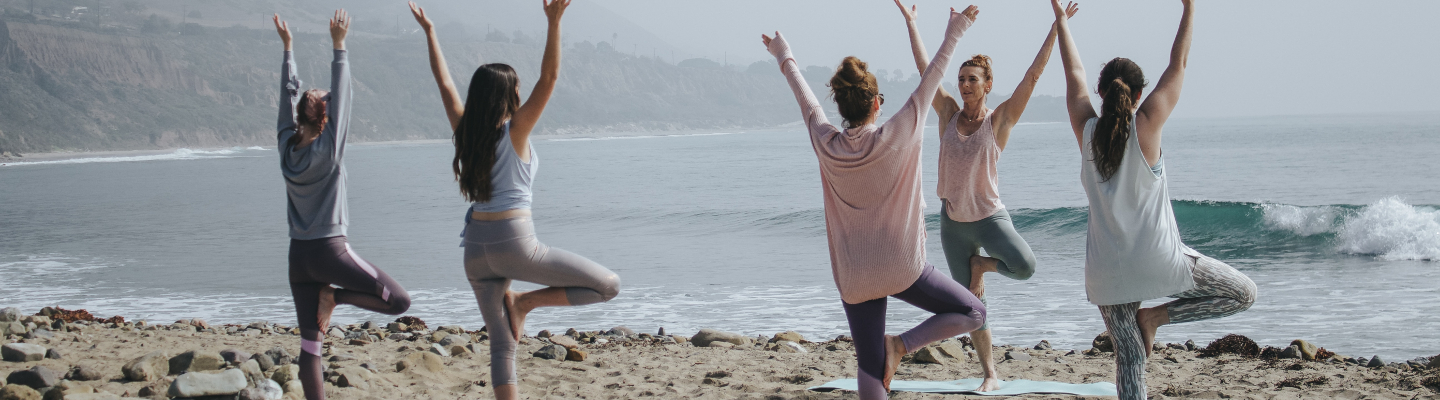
[971,139]
[495,165]
[313,128]
[874,211]
[1133,250]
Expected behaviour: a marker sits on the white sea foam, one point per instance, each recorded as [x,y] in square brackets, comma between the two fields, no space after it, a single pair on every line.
[1392,230]
[1303,221]
[178,154]
[584,139]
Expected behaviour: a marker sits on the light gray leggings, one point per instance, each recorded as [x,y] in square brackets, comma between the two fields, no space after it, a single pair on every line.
[499,251]
[996,234]
[1220,291]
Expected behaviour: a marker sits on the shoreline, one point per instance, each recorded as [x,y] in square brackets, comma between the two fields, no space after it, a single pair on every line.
[406,359]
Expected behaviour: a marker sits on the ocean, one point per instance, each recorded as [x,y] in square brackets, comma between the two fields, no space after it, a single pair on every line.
[1334,217]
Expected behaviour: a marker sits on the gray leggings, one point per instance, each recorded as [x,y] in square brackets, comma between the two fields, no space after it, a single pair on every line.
[996,234]
[1220,291]
[499,251]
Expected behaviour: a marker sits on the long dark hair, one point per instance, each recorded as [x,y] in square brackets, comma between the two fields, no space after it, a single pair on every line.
[310,116]
[854,89]
[1120,80]
[492,100]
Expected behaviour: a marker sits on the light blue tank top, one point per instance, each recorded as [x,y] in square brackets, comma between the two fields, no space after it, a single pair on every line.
[510,178]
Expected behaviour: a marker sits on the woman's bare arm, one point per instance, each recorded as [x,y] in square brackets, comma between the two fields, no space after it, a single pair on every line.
[529,113]
[454,107]
[944,104]
[1151,116]
[1077,96]
[1007,114]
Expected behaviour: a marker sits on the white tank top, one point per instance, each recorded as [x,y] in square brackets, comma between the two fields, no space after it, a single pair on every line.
[1133,250]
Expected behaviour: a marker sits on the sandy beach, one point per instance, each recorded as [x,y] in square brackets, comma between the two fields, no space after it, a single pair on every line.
[144,359]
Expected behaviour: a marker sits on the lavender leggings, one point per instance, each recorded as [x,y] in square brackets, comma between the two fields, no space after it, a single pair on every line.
[957,312]
[315,264]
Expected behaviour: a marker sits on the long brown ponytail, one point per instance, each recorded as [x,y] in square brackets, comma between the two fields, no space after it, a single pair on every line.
[492,100]
[310,116]
[1120,80]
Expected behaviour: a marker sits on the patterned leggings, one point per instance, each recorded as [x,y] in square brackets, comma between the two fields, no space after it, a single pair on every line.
[1220,291]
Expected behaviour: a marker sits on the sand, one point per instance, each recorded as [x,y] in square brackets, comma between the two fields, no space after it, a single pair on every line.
[642,366]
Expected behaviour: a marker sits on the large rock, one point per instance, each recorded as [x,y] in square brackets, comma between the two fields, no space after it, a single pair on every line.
[22,352]
[285,374]
[792,336]
[196,361]
[706,336]
[353,377]
[265,390]
[1374,363]
[18,392]
[9,314]
[566,341]
[266,363]
[458,339]
[1435,362]
[8,328]
[37,377]
[196,384]
[253,373]
[932,355]
[552,352]
[1307,350]
[279,356]
[85,373]
[235,356]
[66,390]
[575,355]
[439,350]
[421,361]
[148,367]
[1103,342]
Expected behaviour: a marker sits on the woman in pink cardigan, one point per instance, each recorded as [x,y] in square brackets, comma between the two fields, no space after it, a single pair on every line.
[875,213]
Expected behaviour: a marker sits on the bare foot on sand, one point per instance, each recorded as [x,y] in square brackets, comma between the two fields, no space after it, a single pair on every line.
[894,350]
[326,308]
[1149,320]
[517,316]
[978,267]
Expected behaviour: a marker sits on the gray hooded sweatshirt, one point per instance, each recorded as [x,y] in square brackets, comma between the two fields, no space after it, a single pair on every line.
[315,174]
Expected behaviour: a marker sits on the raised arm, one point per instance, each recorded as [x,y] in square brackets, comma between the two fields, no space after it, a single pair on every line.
[529,113]
[1153,112]
[944,103]
[810,110]
[911,116]
[289,85]
[454,107]
[1008,113]
[338,108]
[1077,96]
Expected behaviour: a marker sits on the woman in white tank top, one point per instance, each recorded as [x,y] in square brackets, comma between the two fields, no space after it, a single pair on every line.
[1133,250]
[972,217]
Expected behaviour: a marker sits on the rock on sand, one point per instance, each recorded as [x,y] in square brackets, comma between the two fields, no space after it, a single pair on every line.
[23,352]
[707,336]
[196,384]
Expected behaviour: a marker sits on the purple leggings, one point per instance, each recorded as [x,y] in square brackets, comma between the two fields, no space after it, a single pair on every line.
[957,311]
[317,263]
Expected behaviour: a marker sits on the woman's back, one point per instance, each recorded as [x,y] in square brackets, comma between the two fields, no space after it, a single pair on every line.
[1133,250]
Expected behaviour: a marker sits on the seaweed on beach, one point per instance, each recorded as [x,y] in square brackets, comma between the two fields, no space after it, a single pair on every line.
[1231,344]
[415,323]
[1270,353]
[1301,383]
[60,314]
[1432,382]
[1323,354]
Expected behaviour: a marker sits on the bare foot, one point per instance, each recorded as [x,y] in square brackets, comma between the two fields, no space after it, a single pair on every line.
[326,308]
[894,350]
[989,384]
[978,267]
[1149,320]
[517,316]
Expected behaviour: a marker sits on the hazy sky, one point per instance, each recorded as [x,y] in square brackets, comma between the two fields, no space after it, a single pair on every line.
[1248,58]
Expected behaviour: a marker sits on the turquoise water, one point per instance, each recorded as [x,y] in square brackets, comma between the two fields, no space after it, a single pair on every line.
[1335,219]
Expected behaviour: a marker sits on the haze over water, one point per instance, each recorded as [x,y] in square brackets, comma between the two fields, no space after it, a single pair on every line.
[1334,218]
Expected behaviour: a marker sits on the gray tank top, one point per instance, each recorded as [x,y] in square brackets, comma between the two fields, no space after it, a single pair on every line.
[510,179]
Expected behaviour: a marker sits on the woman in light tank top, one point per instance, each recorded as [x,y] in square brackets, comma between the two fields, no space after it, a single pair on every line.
[972,217]
[1133,250]
[495,164]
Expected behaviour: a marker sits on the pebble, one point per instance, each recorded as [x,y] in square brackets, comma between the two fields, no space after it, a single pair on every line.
[786,346]
[707,336]
[265,390]
[1190,345]
[1306,349]
[234,356]
[1103,343]
[1291,353]
[566,341]
[147,368]
[1043,345]
[286,374]
[279,356]
[620,331]
[1017,356]
[266,363]
[68,390]
[1375,362]
[792,336]
[455,339]
[8,328]
[931,355]
[196,384]
[36,377]
[551,352]
[252,371]
[439,350]
[40,333]
[576,355]
[85,373]
[22,352]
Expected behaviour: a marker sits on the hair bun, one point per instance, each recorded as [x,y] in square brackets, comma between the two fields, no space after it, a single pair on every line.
[854,88]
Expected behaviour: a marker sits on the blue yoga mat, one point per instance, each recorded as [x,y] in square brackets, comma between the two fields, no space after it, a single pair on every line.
[968,386]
